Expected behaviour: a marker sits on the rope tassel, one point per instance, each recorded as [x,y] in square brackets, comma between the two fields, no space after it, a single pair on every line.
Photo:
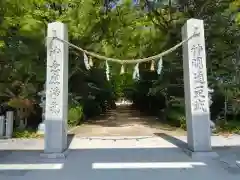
[160,66]
[107,70]
[122,70]
[152,66]
[85,58]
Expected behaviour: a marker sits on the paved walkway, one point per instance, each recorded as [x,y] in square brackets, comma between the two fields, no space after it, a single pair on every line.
[143,159]
[125,122]
[128,157]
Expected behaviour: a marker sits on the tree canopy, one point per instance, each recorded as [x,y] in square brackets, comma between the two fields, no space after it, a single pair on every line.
[121,29]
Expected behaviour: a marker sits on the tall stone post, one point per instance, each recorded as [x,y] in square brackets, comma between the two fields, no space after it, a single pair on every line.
[2,126]
[9,124]
[42,94]
[56,111]
[196,88]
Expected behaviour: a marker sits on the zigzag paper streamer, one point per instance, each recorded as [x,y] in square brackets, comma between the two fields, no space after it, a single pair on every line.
[160,66]
[122,70]
[107,70]
[152,66]
[85,58]
[136,75]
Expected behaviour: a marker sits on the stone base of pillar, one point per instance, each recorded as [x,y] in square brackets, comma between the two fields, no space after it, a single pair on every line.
[62,155]
[41,128]
[201,155]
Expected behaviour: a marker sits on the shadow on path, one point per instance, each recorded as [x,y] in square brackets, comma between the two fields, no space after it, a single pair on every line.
[70,137]
[125,121]
[173,140]
[120,117]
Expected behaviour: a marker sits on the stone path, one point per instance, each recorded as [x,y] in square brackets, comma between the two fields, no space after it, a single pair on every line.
[124,122]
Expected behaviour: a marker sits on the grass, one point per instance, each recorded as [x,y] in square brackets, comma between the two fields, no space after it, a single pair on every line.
[177,119]
[231,127]
[30,133]
[26,133]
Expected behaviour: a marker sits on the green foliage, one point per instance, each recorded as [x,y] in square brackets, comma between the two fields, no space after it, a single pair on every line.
[27,133]
[120,84]
[232,126]
[176,113]
[23,27]
[75,115]
[125,32]
[223,60]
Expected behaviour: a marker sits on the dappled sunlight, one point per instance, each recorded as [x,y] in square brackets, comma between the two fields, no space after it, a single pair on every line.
[125,121]
[123,102]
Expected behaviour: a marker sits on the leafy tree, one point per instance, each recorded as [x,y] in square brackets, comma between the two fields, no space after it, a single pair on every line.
[119,29]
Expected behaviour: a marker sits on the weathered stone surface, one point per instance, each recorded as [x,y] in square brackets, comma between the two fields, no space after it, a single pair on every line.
[56,89]
[196,87]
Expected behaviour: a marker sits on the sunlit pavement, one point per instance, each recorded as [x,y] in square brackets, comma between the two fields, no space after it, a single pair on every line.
[124,121]
[142,158]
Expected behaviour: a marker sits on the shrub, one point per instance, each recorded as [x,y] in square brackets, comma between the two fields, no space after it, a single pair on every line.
[27,133]
[177,119]
[75,115]
[183,123]
[232,126]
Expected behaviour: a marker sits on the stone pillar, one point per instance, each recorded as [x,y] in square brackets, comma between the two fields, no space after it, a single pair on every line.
[2,126]
[9,124]
[196,87]
[56,111]
[42,94]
